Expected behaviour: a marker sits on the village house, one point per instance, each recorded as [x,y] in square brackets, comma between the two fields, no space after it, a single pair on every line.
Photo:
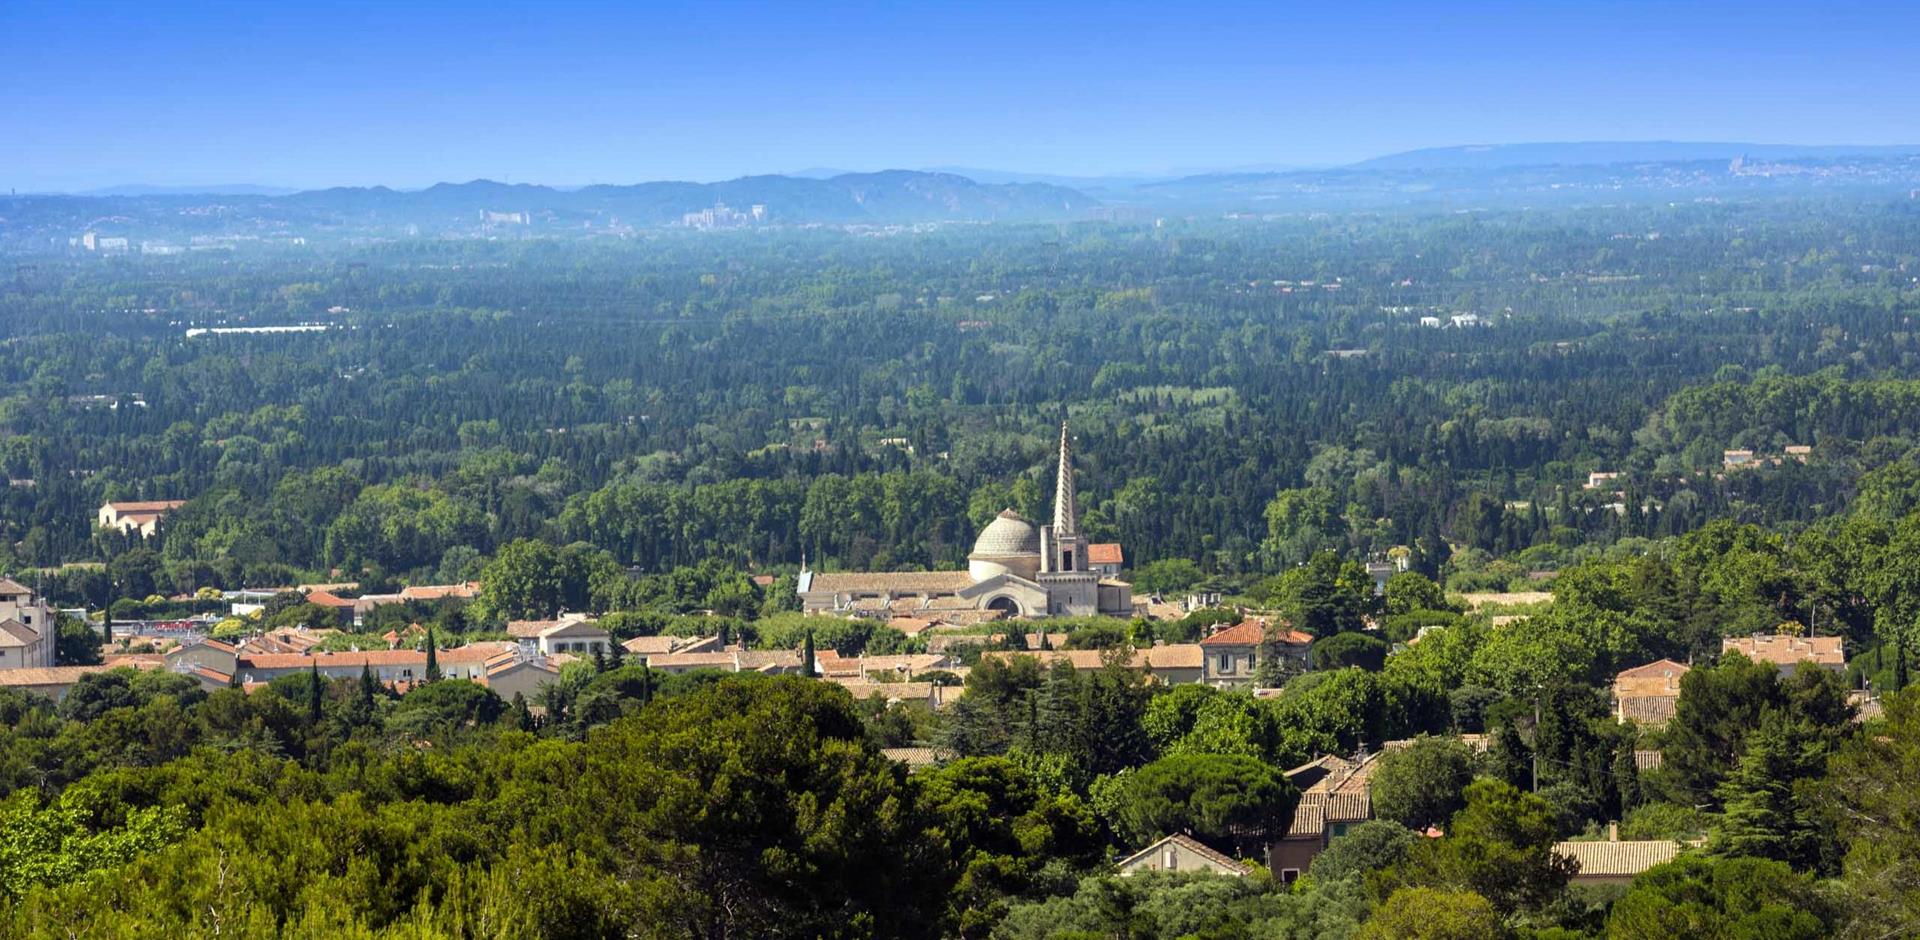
[1106,559]
[574,633]
[767,662]
[1336,794]
[1789,652]
[54,681]
[515,673]
[1232,653]
[1648,694]
[1172,663]
[1614,862]
[136,518]
[26,628]
[438,592]
[1179,852]
[896,668]
[386,666]
[205,657]
[647,647]
[920,693]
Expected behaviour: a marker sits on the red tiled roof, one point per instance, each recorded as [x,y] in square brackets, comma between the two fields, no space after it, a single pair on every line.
[1105,553]
[434,592]
[1656,669]
[328,599]
[1251,632]
[1788,650]
[459,654]
[147,506]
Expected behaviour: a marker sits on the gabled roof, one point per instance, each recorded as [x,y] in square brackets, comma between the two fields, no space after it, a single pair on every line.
[662,645]
[328,599]
[573,627]
[504,664]
[1658,669]
[1105,553]
[9,586]
[1618,859]
[1189,844]
[881,582]
[154,506]
[59,675]
[1244,633]
[434,592]
[15,633]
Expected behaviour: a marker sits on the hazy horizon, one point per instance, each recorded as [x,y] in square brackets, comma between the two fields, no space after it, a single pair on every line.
[409,94]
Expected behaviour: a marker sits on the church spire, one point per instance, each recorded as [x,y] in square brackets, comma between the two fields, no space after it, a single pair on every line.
[1066,511]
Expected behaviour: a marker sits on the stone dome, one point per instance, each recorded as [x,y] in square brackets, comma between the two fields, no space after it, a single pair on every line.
[1007,536]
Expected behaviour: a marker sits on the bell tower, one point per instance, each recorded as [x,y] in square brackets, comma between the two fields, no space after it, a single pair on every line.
[1071,585]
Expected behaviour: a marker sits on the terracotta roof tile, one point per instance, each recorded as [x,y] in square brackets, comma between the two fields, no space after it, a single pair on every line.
[881,582]
[1787,650]
[1618,859]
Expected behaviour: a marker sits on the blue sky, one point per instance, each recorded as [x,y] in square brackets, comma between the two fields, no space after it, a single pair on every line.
[408,93]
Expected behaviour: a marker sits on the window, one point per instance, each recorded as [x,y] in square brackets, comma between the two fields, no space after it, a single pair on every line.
[1172,859]
[1289,875]
[1226,662]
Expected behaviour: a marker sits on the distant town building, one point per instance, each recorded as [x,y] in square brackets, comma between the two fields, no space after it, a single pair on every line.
[1179,852]
[1233,653]
[1648,694]
[1614,862]
[1016,569]
[137,518]
[490,217]
[1789,652]
[571,634]
[26,628]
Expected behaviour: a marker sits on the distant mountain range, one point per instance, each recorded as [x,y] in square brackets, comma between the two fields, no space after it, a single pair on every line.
[960,185]
[1598,153]
[1449,178]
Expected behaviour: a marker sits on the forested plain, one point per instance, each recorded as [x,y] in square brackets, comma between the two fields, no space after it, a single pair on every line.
[635,427]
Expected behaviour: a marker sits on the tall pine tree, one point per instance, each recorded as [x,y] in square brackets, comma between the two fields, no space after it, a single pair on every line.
[1765,818]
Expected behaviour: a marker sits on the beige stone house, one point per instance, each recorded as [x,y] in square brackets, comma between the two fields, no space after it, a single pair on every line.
[136,518]
[1648,694]
[1181,853]
[26,628]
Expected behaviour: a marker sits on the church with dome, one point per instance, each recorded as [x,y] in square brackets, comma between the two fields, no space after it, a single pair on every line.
[1016,569]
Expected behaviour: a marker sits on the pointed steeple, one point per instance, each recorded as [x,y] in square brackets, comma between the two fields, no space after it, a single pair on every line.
[1066,510]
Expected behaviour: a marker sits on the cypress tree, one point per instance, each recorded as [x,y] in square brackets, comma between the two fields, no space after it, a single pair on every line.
[313,692]
[599,661]
[367,689]
[646,682]
[616,654]
[806,656]
[522,715]
[433,660]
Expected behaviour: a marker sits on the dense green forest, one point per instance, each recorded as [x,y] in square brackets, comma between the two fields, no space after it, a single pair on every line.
[633,427]
[1242,393]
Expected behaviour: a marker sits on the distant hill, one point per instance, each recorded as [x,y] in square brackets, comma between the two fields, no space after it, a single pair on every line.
[213,189]
[888,196]
[1595,153]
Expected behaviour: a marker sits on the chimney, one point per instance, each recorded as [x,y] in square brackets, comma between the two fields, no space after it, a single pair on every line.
[1613,832]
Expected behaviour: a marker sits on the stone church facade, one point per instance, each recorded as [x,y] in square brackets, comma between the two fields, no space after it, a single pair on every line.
[1016,569]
